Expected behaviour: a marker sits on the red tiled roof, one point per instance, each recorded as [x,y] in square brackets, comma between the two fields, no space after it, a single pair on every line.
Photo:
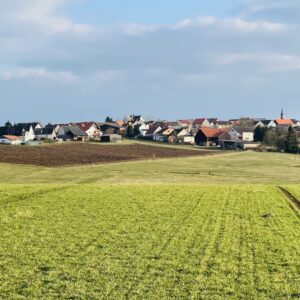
[120,123]
[185,121]
[212,132]
[284,122]
[11,137]
[86,125]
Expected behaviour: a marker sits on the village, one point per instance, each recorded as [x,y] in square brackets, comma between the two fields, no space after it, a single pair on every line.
[242,133]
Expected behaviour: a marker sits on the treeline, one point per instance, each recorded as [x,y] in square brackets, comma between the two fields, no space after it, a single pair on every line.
[281,139]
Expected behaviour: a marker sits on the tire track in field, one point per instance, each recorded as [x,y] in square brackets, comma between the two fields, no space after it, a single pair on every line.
[290,198]
[164,247]
[27,196]
[211,248]
[204,226]
[149,225]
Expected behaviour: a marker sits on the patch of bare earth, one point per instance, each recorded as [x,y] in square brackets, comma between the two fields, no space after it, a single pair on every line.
[80,153]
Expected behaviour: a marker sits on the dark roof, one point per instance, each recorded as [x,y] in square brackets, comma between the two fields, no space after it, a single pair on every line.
[199,121]
[243,129]
[73,130]
[48,130]
[213,120]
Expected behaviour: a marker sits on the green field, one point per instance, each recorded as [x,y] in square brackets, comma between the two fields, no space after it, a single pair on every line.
[154,242]
[230,168]
[214,227]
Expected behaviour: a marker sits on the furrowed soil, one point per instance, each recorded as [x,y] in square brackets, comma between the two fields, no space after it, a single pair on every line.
[80,153]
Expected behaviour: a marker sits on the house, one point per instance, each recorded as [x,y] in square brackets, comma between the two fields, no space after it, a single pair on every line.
[185,123]
[10,140]
[71,133]
[265,123]
[283,123]
[91,129]
[135,120]
[171,134]
[49,132]
[238,138]
[202,122]
[23,130]
[241,133]
[183,133]
[154,130]
[213,121]
[208,136]
[186,136]
[144,128]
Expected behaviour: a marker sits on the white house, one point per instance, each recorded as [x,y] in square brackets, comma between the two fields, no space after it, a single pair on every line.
[91,129]
[144,128]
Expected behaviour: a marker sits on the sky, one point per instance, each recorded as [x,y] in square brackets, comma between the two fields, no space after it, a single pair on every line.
[80,60]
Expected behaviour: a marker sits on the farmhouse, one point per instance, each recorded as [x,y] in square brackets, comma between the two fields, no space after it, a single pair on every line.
[208,136]
[91,129]
[71,133]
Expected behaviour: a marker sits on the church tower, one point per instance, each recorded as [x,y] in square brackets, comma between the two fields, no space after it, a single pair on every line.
[282,115]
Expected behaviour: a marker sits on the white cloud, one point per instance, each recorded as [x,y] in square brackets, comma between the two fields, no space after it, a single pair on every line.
[43,14]
[242,25]
[38,73]
[271,62]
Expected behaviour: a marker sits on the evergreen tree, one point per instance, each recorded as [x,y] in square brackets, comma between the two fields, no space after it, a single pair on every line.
[8,124]
[130,131]
[291,143]
[259,134]
[109,120]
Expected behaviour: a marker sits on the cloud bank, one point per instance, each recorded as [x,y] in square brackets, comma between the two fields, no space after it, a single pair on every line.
[246,63]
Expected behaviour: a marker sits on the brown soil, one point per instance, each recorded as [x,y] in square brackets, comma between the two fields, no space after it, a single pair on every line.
[80,153]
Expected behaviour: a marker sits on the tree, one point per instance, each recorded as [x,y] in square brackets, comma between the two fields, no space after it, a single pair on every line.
[291,143]
[280,143]
[109,120]
[259,133]
[8,124]
[130,131]
[270,137]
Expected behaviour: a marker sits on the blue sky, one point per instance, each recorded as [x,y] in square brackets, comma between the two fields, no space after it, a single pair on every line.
[74,60]
[154,11]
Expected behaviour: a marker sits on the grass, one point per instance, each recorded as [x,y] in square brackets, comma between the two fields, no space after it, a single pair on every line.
[230,168]
[148,241]
[213,227]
